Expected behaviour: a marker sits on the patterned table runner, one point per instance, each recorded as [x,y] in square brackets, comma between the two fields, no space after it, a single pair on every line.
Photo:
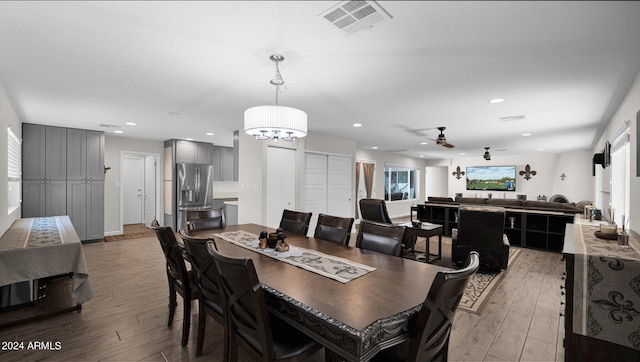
[339,269]
[44,231]
[607,290]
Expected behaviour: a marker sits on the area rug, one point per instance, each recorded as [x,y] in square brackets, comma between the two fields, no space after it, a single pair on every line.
[143,234]
[481,286]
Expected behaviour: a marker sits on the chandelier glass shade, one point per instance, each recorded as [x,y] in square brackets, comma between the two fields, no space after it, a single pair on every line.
[275,121]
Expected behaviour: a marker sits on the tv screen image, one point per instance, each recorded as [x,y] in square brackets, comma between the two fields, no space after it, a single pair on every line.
[491,178]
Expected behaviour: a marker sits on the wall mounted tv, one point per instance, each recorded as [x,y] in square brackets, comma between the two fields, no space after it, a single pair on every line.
[491,178]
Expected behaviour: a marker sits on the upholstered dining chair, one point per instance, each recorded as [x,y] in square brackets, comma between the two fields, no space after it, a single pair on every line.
[380,237]
[430,337]
[262,334]
[210,295]
[334,228]
[180,280]
[203,219]
[295,222]
[374,210]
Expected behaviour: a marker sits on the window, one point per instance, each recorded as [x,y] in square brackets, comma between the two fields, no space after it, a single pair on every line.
[399,183]
[14,156]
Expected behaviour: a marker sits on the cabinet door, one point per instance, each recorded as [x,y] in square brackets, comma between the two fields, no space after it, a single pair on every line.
[55,198]
[77,206]
[203,153]
[95,210]
[33,199]
[95,155]
[226,162]
[76,154]
[216,161]
[56,153]
[33,151]
[185,152]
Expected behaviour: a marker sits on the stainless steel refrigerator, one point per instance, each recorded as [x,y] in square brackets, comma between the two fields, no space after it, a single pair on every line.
[194,189]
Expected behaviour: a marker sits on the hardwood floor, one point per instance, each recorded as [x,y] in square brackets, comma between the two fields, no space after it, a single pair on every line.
[127,318]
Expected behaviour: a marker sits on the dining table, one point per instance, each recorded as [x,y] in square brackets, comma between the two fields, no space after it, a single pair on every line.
[353,319]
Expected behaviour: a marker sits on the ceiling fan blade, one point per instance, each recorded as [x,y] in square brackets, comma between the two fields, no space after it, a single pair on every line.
[447,145]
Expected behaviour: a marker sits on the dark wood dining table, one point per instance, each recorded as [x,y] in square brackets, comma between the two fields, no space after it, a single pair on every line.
[353,320]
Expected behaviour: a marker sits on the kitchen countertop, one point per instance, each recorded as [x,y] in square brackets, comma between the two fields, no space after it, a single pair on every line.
[225,195]
[234,203]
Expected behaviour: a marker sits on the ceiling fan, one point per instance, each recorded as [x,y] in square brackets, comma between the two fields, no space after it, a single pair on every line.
[442,140]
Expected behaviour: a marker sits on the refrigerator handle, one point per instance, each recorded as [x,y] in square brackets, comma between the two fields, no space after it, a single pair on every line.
[197,184]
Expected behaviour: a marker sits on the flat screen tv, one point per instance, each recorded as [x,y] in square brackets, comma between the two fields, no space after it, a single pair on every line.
[491,178]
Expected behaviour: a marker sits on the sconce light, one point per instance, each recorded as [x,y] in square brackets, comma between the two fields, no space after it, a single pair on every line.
[563,176]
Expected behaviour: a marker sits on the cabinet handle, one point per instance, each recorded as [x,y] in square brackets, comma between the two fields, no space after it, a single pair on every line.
[561,293]
[562,287]
[561,315]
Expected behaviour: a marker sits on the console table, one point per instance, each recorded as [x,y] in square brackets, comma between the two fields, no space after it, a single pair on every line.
[602,309]
[536,229]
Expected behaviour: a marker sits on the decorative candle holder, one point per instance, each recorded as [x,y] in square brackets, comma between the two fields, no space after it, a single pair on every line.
[623,240]
[512,219]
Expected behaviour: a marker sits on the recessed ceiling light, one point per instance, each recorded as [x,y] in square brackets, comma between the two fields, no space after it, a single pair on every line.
[496,100]
[423,143]
[540,149]
[130,123]
[189,139]
[462,153]
[375,147]
[118,131]
[421,155]
[526,134]
[209,133]
[357,124]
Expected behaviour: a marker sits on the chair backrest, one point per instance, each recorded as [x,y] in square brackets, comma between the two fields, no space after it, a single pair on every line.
[480,225]
[433,326]
[244,301]
[374,210]
[295,221]
[202,219]
[207,274]
[333,228]
[380,237]
[173,254]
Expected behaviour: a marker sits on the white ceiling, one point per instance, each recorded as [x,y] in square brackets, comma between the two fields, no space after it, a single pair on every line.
[180,69]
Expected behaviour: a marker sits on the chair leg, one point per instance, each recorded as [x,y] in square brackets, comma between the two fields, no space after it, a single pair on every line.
[233,347]
[173,302]
[186,321]
[202,322]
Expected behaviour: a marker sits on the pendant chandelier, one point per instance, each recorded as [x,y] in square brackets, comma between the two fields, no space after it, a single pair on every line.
[275,121]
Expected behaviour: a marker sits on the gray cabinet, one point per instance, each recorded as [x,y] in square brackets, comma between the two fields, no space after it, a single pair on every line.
[44,198]
[85,207]
[223,164]
[44,152]
[85,155]
[63,173]
[193,152]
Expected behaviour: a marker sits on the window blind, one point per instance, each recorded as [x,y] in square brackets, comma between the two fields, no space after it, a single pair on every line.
[14,156]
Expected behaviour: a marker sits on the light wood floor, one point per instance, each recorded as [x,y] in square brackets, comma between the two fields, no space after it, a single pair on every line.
[127,318]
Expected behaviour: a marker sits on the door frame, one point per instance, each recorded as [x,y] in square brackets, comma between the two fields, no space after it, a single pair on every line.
[129,154]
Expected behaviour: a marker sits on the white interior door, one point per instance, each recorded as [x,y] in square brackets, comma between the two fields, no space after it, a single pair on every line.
[281,183]
[339,184]
[315,186]
[132,182]
[150,170]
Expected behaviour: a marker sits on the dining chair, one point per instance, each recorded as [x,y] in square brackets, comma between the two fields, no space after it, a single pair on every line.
[430,337]
[374,210]
[262,334]
[380,237]
[295,222]
[204,219]
[180,280]
[333,228]
[210,295]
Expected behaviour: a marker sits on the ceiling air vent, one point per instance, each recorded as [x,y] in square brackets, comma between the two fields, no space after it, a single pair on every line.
[349,17]
[512,118]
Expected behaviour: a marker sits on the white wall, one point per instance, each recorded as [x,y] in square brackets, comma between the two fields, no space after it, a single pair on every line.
[113,148]
[8,118]
[626,111]
[401,207]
